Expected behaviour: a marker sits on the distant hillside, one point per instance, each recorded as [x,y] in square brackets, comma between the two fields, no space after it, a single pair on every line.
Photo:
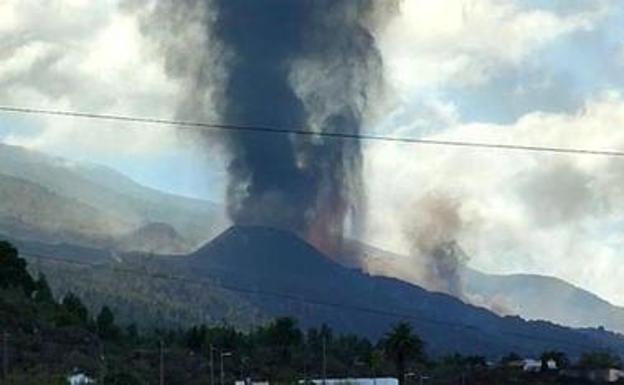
[110,192]
[135,284]
[276,262]
[541,297]
[530,296]
[248,275]
[30,211]
[50,206]
[155,238]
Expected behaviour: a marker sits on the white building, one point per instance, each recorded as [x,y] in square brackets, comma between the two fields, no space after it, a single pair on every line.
[531,365]
[551,364]
[354,381]
[250,382]
[605,375]
[79,379]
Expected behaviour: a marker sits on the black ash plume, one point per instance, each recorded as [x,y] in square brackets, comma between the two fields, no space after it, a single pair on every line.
[295,64]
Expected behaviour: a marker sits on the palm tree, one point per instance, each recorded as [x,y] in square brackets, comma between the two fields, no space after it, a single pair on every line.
[375,360]
[401,346]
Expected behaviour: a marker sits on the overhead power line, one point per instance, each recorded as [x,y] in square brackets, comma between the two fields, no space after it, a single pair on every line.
[310,301]
[251,128]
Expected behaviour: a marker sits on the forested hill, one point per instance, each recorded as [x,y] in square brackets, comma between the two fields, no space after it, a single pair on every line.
[279,262]
[249,275]
[46,339]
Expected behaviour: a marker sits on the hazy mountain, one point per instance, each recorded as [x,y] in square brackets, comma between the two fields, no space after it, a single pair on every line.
[47,200]
[540,297]
[533,297]
[31,211]
[130,204]
[157,238]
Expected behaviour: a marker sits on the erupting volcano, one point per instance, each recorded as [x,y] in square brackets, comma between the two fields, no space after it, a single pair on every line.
[306,64]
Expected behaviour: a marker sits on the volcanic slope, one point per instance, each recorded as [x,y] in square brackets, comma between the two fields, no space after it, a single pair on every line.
[280,274]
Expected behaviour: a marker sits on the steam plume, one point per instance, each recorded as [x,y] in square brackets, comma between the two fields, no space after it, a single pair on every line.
[285,63]
[432,233]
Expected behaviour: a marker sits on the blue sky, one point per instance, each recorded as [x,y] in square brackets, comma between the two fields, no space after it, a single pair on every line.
[173,169]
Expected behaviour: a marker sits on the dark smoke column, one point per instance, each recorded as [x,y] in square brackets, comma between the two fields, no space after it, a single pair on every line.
[296,64]
[262,38]
[308,185]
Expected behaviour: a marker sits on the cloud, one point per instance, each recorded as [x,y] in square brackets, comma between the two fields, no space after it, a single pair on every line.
[557,193]
[541,213]
[477,71]
[92,57]
[464,42]
[513,92]
[431,229]
[85,56]
[490,61]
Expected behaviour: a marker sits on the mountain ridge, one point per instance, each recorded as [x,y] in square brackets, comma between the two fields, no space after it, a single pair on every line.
[275,261]
[112,192]
[28,174]
[250,274]
[532,296]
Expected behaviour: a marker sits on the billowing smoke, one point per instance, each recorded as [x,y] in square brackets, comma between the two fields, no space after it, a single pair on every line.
[557,193]
[432,231]
[296,64]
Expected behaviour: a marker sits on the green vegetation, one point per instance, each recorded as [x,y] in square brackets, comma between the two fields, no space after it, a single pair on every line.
[47,339]
[402,347]
[144,300]
[600,360]
[13,273]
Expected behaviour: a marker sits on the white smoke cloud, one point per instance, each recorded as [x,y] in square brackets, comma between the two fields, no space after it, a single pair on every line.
[529,212]
[431,228]
[541,213]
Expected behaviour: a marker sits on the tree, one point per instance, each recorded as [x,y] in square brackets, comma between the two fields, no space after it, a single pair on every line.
[374,360]
[284,336]
[42,292]
[105,324]
[73,312]
[196,338]
[13,272]
[600,360]
[121,378]
[401,346]
[274,351]
[509,358]
[132,331]
[473,362]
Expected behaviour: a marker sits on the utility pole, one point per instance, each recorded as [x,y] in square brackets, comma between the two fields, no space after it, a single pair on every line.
[5,355]
[102,360]
[324,360]
[102,369]
[305,364]
[223,354]
[212,348]
[162,363]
